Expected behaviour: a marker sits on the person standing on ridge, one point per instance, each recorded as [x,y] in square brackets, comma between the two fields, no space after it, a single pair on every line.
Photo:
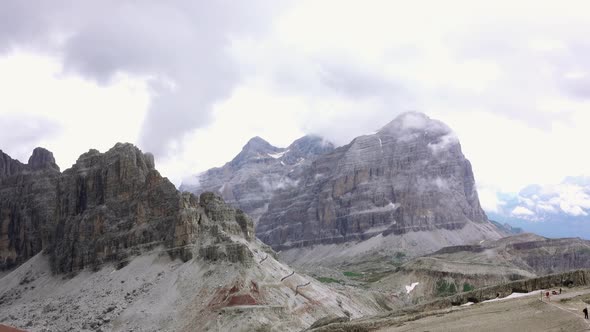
[585,311]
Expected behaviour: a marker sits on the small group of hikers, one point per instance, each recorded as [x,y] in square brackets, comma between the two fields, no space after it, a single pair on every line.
[549,293]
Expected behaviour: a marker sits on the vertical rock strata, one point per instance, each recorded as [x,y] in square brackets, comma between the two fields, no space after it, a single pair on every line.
[410,176]
[108,207]
[27,206]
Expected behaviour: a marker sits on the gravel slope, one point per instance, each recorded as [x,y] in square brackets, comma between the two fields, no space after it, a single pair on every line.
[155,293]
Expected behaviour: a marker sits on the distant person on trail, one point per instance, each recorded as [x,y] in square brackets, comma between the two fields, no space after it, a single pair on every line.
[585,311]
[560,291]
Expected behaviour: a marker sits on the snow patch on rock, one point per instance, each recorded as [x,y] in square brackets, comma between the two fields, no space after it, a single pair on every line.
[278,154]
[411,287]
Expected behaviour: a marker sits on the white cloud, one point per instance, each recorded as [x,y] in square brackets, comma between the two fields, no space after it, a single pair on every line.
[568,200]
[488,199]
[444,142]
[510,78]
[546,208]
[522,211]
[85,115]
[572,210]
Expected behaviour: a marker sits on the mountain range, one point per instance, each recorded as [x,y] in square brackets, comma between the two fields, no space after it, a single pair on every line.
[407,186]
[389,221]
[249,180]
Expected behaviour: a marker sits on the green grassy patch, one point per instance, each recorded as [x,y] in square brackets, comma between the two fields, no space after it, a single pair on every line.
[351,274]
[444,288]
[468,287]
[376,276]
[398,258]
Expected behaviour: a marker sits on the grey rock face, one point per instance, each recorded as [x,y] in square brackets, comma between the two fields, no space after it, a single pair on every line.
[410,176]
[258,171]
[41,158]
[114,202]
[9,166]
[108,207]
[27,206]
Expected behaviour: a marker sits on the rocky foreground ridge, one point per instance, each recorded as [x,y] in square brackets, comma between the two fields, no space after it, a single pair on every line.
[108,207]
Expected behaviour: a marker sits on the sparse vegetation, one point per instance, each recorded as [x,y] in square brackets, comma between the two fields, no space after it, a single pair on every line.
[376,276]
[400,255]
[351,274]
[445,288]
[467,287]
[398,258]
[452,288]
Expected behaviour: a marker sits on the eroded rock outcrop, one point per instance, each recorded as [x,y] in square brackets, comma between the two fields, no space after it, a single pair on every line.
[410,176]
[108,207]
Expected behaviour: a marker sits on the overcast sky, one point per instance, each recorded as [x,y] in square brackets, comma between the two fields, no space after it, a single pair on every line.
[192,81]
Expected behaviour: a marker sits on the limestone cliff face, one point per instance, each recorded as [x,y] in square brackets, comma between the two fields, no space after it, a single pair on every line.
[108,207]
[27,206]
[9,166]
[410,176]
[250,180]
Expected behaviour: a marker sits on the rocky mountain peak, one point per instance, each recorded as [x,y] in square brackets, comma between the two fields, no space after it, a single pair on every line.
[258,144]
[41,159]
[256,149]
[126,156]
[9,166]
[410,177]
[258,171]
[305,147]
[412,122]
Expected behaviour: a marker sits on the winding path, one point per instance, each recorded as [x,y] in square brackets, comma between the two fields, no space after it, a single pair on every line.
[572,311]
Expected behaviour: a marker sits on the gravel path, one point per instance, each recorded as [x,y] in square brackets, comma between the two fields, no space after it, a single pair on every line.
[520,314]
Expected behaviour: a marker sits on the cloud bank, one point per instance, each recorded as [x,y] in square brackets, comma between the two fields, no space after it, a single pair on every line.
[178,47]
[510,78]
